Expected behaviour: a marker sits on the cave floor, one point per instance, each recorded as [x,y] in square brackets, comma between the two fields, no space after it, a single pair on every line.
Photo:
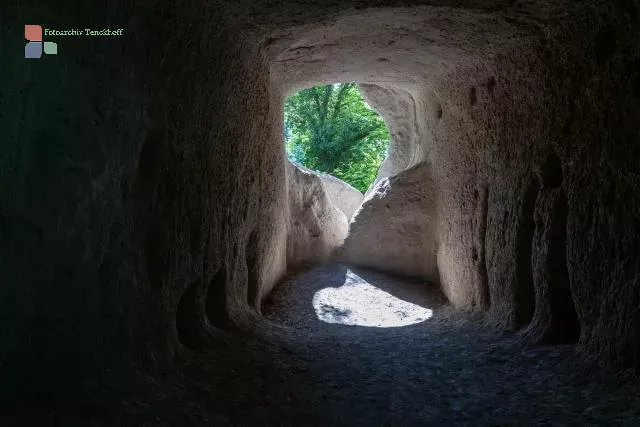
[293,369]
[451,369]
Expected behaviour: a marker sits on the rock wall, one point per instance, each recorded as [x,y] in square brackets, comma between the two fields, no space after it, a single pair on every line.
[399,110]
[342,195]
[144,194]
[396,227]
[316,226]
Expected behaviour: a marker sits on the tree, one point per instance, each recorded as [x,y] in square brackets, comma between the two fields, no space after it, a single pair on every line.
[331,129]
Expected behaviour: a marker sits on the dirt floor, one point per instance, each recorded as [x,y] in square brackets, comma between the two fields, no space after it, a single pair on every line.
[444,368]
[450,369]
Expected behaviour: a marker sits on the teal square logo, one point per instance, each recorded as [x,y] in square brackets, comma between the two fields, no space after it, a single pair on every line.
[50,48]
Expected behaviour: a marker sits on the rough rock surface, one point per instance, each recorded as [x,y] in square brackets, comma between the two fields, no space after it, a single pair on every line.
[317,226]
[145,207]
[395,229]
[399,110]
[341,194]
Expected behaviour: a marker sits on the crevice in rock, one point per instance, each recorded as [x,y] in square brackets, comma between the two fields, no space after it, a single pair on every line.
[252,271]
[555,319]
[149,164]
[189,327]
[491,84]
[153,256]
[565,322]
[216,302]
[524,289]
[505,221]
[473,96]
[550,172]
[480,249]
[196,231]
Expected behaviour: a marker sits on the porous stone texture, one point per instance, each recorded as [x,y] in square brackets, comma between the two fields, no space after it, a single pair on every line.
[399,110]
[316,225]
[342,195]
[395,229]
[555,319]
[146,206]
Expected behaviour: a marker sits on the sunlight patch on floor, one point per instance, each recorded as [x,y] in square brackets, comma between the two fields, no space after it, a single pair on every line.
[359,303]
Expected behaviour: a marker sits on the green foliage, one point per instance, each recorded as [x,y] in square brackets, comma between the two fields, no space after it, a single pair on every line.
[331,129]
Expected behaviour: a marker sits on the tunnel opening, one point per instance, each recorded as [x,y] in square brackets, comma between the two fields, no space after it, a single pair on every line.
[452,136]
[331,129]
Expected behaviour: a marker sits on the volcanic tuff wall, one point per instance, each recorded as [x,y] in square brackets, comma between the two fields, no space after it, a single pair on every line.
[145,176]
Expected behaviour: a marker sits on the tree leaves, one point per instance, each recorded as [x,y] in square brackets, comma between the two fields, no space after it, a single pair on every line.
[331,129]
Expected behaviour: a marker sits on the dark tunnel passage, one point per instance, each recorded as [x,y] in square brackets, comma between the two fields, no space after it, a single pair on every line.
[164,263]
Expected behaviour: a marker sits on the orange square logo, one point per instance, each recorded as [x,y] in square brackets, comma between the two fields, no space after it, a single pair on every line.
[33,33]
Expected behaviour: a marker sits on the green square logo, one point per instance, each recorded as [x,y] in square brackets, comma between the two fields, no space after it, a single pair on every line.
[50,48]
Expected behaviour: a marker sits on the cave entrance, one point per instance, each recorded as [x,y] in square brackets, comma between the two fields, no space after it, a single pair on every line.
[331,129]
